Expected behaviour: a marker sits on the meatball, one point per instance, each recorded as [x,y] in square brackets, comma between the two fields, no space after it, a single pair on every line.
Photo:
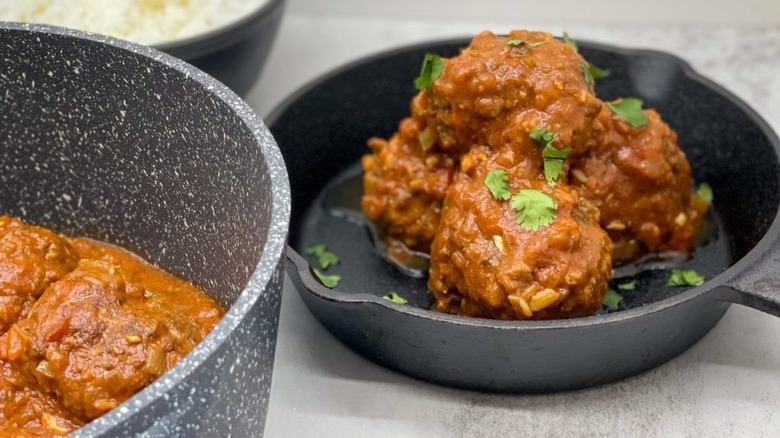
[41,415]
[484,264]
[500,104]
[404,184]
[31,258]
[103,332]
[493,93]
[640,181]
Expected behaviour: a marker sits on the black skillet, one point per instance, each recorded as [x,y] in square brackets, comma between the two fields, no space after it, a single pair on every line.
[322,132]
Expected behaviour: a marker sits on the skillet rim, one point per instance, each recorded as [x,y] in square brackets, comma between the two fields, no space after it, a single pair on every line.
[758,252]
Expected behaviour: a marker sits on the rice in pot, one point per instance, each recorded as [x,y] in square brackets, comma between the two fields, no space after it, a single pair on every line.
[141,21]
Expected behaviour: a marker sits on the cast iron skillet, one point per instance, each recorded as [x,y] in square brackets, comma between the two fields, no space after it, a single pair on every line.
[322,132]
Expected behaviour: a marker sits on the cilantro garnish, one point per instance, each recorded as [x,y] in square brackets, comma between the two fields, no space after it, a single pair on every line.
[570,42]
[431,69]
[541,136]
[589,70]
[329,281]
[394,297]
[612,300]
[631,285]
[553,157]
[586,72]
[630,110]
[553,162]
[705,192]
[325,257]
[518,43]
[534,209]
[496,182]
[597,73]
[685,277]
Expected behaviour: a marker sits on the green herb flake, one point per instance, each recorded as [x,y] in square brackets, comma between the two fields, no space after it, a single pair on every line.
[570,42]
[705,192]
[496,182]
[630,110]
[586,72]
[324,257]
[553,162]
[541,136]
[631,285]
[518,43]
[329,281]
[597,73]
[534,209]
[553,157]
[612,300]
[685,277]
[431,69]
[394,297]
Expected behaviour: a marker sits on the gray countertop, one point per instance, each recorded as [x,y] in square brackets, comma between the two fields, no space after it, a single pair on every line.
[726,385]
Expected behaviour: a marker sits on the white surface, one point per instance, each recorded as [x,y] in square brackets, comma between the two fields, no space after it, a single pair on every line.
[727,385]
[556,11]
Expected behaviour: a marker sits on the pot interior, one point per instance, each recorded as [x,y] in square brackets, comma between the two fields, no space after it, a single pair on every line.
[103,142]
[323,130]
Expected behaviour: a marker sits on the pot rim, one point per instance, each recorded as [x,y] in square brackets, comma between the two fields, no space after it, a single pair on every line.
[216,39]
[710,286]
[272,251]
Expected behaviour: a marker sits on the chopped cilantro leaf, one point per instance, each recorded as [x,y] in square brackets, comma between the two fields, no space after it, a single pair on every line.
[685,277]
[431,69]
[324,257]
[541,136]
[570,42]
[586,72]
[705,192]
[631,285]
[394,297]
[496,182]
[518,43]
[596,72]
[589,70]
[329,281]
[553,162]
[630,110]
[553,157]
[534,209]
[612,300]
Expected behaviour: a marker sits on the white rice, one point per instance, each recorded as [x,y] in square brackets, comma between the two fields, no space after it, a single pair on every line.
[141,21]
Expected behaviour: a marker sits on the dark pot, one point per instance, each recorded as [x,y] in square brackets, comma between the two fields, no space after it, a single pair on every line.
[120,142]
[234,54]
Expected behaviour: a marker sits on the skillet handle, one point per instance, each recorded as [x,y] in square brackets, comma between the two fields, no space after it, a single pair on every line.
[758,285]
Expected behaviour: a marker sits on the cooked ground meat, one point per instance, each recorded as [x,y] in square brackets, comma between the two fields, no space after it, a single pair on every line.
[31,258]
[425,186]
[405,184]
[641,182]
[484,264]
[106,325]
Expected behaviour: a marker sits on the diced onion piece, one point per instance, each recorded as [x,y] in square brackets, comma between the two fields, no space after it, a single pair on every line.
[426,138]
[543,299]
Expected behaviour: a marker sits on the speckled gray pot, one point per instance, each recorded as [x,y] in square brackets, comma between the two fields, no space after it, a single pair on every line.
[116,141]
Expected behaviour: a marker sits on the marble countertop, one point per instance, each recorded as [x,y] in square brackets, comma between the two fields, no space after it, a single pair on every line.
[726,385]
